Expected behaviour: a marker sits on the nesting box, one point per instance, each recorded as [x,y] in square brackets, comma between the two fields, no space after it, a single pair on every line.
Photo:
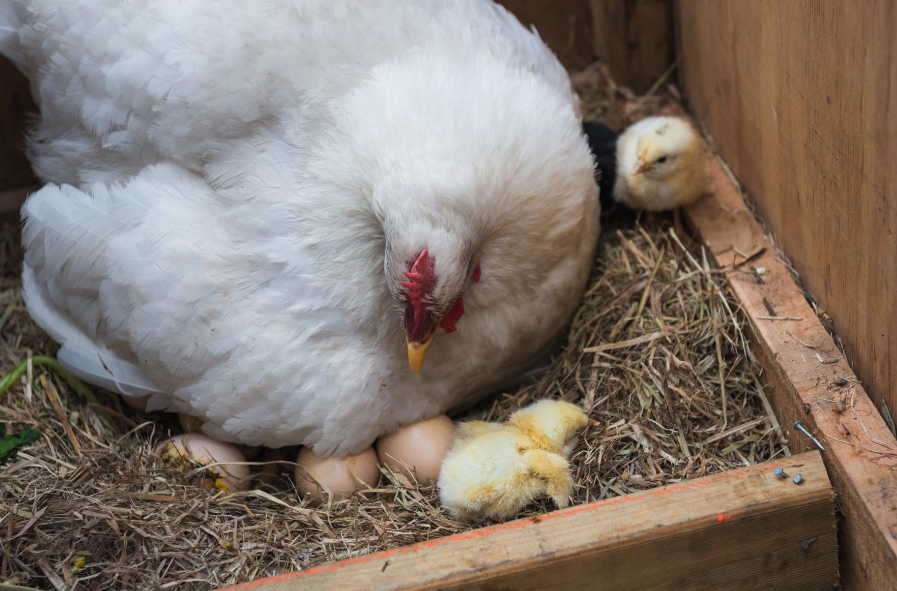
[800,100]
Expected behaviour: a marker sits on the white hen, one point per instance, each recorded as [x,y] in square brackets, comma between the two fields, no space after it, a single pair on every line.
[250,202]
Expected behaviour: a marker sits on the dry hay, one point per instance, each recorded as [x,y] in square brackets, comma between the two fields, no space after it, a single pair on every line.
[655,354]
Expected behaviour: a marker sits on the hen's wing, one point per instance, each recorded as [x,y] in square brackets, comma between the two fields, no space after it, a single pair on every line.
[133,274]
[122,85]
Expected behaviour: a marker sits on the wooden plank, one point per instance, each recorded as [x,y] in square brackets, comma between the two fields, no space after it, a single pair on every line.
[11,200]
[809,379]
[801,99]
[564,25]
[15,106]
[635,37]
[741,529]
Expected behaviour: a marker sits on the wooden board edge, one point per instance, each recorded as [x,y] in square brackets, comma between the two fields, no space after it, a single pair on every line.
[809,381]
[11,200]
[739,529]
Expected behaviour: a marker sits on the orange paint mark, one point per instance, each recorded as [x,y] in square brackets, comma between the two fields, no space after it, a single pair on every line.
[509,526]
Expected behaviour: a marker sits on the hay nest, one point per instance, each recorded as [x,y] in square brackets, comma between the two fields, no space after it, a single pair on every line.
[655,354]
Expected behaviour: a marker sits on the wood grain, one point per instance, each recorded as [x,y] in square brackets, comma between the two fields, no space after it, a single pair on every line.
[11,200]
[801,100]
[564,25]
[635,37]
[737,530]
[808,380]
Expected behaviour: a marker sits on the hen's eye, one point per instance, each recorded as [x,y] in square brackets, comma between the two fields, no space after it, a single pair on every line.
[662,159]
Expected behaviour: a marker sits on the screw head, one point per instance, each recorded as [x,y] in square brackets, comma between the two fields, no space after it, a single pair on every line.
[780,472]
[805,544]
[798,479]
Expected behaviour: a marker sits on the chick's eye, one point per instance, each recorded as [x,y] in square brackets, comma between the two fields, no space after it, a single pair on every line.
[662,159]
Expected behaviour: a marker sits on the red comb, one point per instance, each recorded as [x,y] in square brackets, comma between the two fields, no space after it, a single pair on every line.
[419,285]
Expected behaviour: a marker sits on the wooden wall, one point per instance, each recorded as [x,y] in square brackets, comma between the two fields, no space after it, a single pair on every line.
[564,25]
[635,37]
[801,100]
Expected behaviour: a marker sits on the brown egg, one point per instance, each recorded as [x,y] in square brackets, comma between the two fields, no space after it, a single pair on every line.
[136,402]
[418,448]
[191,450]
[342,476]
[190,424]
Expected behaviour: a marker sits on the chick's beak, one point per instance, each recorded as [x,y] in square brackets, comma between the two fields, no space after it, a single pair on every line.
[416,352]
[640,166]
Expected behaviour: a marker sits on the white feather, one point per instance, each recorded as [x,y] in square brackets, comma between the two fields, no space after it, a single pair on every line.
[247,180]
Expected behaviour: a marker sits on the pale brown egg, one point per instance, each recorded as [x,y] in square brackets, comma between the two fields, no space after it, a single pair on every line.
[137,402]
[191,450]
[191,424]
[418,450]
[342,476]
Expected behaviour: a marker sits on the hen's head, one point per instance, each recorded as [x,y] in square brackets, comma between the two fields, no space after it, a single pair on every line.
[430,268]
[420,319]
[483,186]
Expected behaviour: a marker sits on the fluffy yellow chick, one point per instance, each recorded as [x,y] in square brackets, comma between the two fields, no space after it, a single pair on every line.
[660,164]
[494,470]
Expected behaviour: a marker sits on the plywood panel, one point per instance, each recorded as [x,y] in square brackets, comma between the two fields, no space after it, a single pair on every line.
[635,37]
[801,99]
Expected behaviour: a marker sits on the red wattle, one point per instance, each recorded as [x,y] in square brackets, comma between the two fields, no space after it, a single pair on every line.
[453,316]
[476,273]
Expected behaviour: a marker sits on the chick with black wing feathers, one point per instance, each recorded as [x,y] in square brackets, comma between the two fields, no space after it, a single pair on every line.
[603,144]
[656,164]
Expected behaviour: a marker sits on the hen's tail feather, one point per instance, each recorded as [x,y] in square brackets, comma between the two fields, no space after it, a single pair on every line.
[9,31]
[48,238]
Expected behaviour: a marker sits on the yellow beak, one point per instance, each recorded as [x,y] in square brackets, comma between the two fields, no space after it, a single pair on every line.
[642,164]
[416,352]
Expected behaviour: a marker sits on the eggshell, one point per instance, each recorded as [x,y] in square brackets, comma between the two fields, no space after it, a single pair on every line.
[233,474]
[137,402]
[420,447]
[190,424]
[340,475]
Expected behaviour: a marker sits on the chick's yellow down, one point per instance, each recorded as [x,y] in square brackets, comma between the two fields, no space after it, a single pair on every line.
[494,470]
[660,164]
